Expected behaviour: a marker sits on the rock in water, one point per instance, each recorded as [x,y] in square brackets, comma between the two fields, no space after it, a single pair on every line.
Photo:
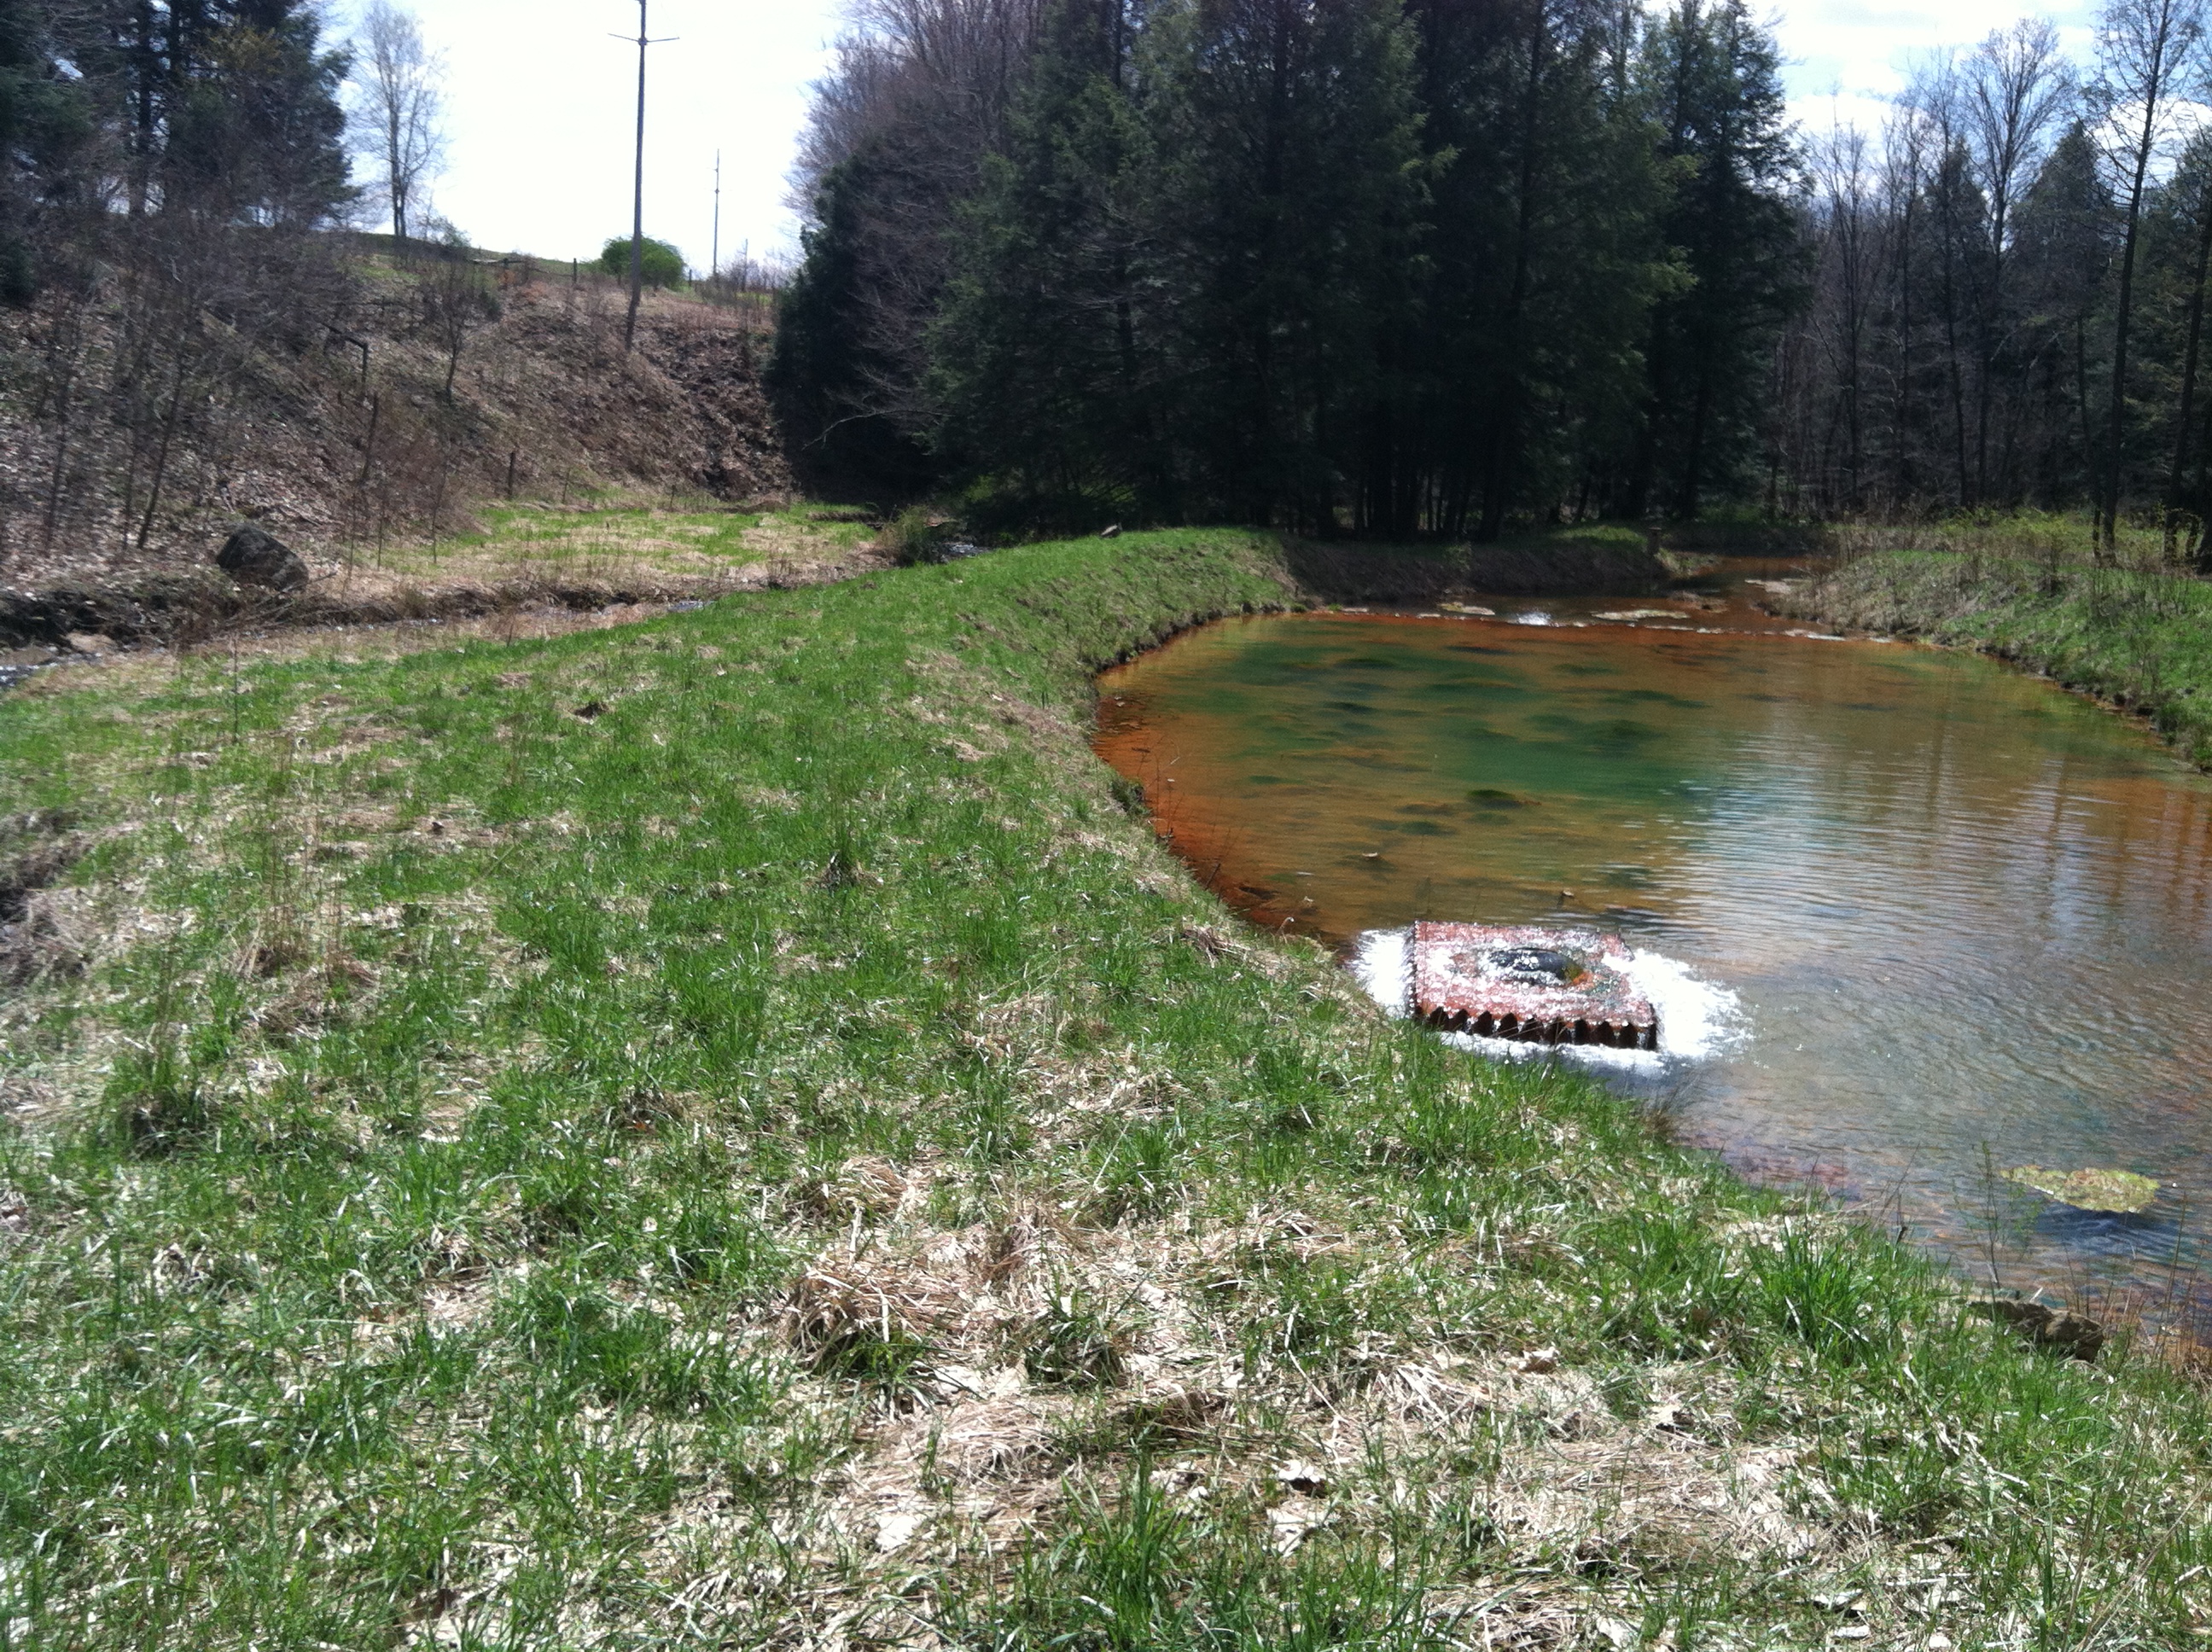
[253,556]
[2115,1192]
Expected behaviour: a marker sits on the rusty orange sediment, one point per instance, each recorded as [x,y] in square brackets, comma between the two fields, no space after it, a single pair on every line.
[1529,984]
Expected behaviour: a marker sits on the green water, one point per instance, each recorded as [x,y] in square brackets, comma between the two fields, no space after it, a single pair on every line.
[1964,918]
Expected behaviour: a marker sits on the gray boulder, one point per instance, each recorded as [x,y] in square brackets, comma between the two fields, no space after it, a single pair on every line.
[253,556]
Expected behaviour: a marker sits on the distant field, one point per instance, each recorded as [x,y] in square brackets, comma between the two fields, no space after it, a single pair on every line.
[522,543]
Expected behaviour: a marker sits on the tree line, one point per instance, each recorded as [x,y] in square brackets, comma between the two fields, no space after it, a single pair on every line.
[234,112]
[1448,267]
[115,113]
[2008,287]
[166,165]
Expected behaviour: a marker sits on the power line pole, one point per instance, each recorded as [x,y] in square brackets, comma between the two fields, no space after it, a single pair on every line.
[637,194]
[714,268]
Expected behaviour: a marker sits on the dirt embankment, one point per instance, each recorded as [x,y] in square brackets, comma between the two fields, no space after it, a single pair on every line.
[427,392]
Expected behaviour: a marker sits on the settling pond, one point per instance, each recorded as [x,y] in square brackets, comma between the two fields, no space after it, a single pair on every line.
[1948,917]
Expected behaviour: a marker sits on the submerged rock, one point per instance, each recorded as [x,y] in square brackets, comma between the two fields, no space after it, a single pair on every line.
[2115,1192]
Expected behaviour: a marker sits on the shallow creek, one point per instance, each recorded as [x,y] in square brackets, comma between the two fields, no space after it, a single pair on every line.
[1952,918]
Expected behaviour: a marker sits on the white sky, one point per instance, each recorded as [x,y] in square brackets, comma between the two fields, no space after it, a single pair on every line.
[541,105]
[1846,60]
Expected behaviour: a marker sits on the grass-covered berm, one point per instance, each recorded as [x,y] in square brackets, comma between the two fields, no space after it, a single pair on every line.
[732,1132]
[2139,637]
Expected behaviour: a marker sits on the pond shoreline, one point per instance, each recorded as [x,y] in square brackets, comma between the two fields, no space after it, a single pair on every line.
[2139,643]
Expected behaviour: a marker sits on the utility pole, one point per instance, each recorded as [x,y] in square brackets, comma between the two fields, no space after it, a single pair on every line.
[637,194]
[715,268]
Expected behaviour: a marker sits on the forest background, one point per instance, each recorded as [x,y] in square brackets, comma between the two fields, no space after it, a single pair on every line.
[1448,269]
[1451,267]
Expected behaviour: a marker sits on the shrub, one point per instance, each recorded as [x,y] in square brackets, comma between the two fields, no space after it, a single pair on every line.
[664,265]
[914,536]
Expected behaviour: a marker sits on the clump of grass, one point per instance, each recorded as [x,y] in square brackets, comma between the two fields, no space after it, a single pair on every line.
[1080,1340]
[1135,1567]
[160,1102]
[851,1326]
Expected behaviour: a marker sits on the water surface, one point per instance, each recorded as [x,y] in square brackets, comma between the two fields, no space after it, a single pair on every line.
[1967,916]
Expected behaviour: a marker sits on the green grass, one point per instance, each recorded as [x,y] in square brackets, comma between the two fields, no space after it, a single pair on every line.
[727,1131]
[2139,638]
[2064,537]
[615,541]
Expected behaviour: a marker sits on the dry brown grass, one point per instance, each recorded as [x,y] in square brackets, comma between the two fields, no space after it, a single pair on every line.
[335,454]
[363,615]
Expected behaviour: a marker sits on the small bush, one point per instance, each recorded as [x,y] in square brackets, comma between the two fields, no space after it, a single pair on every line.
[664,265]
[916,535]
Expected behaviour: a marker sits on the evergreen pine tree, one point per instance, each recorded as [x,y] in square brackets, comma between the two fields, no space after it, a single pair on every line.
[1714,78]
[46,130]
[1285,185]
[2063,253]
[254,127]
[1544,252]
[1045,360]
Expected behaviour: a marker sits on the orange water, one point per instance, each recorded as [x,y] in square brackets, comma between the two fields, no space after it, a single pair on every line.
[1967,916]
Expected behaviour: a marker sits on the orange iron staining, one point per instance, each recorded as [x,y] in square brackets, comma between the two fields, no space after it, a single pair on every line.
[1532,985]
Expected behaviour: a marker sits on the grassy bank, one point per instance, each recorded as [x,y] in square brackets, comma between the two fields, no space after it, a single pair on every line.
[2139,638]
[523,556]
[732,1131]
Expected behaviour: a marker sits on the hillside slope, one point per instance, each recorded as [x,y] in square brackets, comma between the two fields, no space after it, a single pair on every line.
[402,393]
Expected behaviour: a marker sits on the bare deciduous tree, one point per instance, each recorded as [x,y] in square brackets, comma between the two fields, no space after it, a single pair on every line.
[1847,246]
[2146,49]
[2016,88]
[919,92]
[400,106]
